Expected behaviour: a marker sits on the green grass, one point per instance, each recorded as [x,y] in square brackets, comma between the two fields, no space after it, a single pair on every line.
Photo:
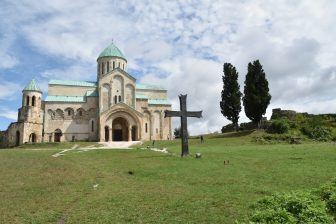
[38,188]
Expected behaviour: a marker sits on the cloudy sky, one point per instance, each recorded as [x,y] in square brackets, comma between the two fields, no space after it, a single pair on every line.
[181,45]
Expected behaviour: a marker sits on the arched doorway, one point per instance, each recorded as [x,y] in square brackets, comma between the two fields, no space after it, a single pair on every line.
[107,134]
[32,138]
[120,129]
[57,135]
[17,140]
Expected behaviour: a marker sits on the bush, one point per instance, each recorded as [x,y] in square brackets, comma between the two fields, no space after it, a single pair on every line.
[317,133]
[328,194]
[296,207]
[279,126]
[228,128]
[277,138]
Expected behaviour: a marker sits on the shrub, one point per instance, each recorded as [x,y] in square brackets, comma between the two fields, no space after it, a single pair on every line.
[277,138]
[296,207]
[279,126]
[228,128]
[328,193]
[317,133]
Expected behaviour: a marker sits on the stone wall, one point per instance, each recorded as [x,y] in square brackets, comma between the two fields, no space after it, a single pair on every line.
[3,139]
[279,113]
[76,121]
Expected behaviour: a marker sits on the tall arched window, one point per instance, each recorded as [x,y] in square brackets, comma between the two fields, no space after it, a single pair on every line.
[113,64]
[98,69]
[92,126]
[119,98]
[69,112]
[33,101]
[119,64]
[146,127]
[108,66]
[27,101]
[123,66]
[103,68]
[115,99]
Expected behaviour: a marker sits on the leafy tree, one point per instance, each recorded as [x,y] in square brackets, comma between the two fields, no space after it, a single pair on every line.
[256,92]
[177,132]
[231,95]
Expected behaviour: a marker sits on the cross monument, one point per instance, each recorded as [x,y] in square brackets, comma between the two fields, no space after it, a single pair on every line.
[184,114]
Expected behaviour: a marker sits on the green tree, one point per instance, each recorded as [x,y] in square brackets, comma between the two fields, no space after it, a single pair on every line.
[256,92]
[177,132]
[231,95]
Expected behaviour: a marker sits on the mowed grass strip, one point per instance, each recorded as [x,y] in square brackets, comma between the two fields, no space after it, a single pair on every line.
[141,186]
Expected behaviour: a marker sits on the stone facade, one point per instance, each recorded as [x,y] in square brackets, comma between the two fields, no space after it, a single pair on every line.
[114,108]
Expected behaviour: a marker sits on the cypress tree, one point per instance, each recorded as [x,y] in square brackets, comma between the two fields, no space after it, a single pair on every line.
[256,92]
[231,95]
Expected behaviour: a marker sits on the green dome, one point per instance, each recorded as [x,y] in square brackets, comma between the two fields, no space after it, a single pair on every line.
[32,86]
[111,51]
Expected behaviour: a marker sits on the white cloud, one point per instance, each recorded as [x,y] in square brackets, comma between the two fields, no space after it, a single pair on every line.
[7,60]
[10,114]
[9,90]
[74,72]
[183,45]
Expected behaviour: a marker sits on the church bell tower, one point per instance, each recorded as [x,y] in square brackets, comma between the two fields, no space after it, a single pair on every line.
[31,114]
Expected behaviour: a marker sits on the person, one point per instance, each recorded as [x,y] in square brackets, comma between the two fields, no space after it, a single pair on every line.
[202,139]
[153,143]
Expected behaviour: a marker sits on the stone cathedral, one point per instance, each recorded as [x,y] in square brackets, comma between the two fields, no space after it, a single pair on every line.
[114,108]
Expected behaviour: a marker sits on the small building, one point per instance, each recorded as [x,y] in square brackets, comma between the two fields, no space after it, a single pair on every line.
[112,108]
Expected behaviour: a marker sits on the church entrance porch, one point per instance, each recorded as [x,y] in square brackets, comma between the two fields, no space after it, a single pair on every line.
[123,123]
[120,129]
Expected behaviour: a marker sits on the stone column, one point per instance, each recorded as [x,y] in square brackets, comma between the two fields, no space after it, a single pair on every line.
[130,133]
[111,135]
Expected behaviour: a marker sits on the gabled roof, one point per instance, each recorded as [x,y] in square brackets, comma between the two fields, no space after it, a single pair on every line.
[141,96]
[93,93]
[149,86]
[121,71]
[158,102]
[111,51]
[73,83]
[32,86]
[72,99]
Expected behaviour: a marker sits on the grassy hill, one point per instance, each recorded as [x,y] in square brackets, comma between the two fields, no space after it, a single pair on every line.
[142,186]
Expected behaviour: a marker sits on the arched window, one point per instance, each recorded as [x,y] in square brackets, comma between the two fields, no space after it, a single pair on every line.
[113,64]
[103,68]
[108,66]
[92,126]
[119,64]
[33,101]
[146,127]
[119,98]
[115,99]
[98,69]
[27,101]
[69,112]
[123,66]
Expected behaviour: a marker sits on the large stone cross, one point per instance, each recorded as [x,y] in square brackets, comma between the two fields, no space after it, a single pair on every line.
[184,114]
